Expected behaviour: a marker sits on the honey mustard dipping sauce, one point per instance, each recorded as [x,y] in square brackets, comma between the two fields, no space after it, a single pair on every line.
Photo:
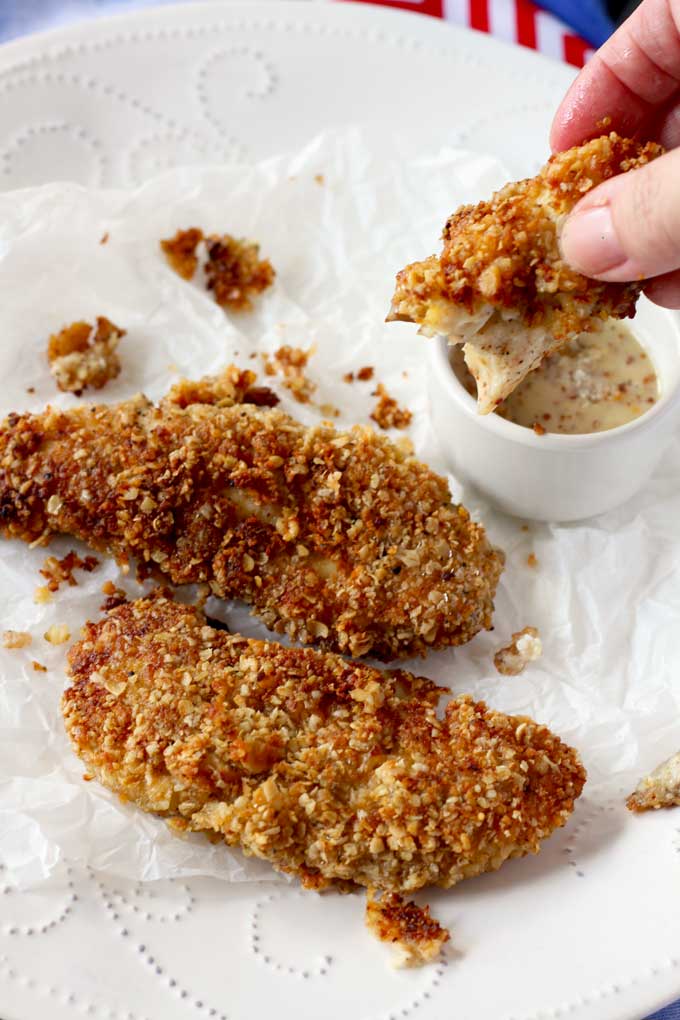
[594,383]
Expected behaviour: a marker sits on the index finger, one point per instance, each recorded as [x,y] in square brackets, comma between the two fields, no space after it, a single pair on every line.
[631,79]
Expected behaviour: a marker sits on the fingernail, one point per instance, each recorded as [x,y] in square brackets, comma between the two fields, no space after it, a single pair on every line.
[589,242]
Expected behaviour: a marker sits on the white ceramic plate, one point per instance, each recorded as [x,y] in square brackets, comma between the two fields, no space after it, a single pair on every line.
[589,929]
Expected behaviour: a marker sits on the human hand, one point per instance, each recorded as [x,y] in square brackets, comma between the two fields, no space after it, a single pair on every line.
[629,227]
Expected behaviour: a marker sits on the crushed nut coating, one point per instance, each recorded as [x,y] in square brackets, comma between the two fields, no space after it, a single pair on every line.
[83,356]
[330,770]
[501,286]
[417,936]
[339,538]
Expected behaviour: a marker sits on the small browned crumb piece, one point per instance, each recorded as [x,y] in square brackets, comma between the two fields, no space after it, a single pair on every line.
[180,251]
[331,770]
[290,363]
[56,572]
[532,560]
[82,355]
[501,287]
[538,428]
[235,273]
[319,178]
[114,596]
[387,412]
[16,639]
[42,595]
[363,375]
[334,537]
[57,634]
[524,648]
[416,935]
[104,239]
[38,667]
[660,789]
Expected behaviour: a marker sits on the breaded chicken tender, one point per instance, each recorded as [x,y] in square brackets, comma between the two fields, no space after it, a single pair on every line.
[332,771]
[501,287]
[340,538]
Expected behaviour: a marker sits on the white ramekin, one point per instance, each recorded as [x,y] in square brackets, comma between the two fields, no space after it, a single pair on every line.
[557,477]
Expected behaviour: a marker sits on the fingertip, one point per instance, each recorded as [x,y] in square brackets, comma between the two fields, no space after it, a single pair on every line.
[665,290]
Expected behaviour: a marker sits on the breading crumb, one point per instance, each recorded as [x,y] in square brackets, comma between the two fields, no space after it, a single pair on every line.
[319,178]
[538,428]
[104,238]
[524,648]
[365,374]
[348,377]
[81,355]
[115,596]
[180,251]
[235,273]
[42,595]
[233,269]
[660,789]
[387,412]
[290,362]
[38,667]
[415,934]
[57,634]
[532,560]
[16,639]
[56,572]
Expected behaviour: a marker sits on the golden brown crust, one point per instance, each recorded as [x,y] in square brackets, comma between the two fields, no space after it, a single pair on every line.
[501,266]
[417,935]
[83,356]
[337,538]
[331,770]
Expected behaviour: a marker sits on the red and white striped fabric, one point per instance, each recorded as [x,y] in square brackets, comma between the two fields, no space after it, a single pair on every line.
[518,21]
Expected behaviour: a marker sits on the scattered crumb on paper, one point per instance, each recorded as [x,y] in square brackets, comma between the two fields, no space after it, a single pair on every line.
[660,789]
[524,648]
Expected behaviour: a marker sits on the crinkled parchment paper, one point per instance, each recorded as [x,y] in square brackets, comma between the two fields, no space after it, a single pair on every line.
[337,220]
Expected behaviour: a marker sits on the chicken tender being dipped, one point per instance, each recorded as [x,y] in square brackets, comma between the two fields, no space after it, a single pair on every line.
[339,538]
[332,771]
[500,285]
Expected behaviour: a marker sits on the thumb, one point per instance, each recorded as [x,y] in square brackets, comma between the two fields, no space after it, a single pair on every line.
[629,227]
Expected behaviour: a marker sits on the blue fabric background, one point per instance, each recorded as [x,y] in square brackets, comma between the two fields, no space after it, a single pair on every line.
[17,17]
[587,17]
